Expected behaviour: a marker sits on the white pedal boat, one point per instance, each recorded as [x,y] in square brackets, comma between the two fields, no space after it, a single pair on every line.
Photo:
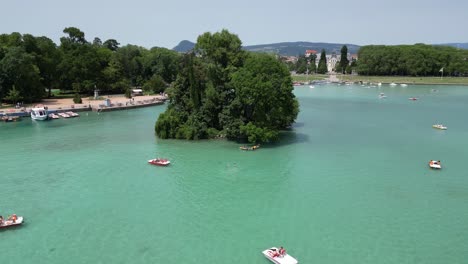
[435,164]
[271,255]
[10,223]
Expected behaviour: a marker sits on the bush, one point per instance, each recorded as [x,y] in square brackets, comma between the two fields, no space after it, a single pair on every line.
[77,99]
[128,93]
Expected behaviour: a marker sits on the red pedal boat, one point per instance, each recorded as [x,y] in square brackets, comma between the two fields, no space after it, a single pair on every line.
[159,162]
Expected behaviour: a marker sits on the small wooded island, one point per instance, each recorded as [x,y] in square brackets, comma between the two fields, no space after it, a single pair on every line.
[222,90]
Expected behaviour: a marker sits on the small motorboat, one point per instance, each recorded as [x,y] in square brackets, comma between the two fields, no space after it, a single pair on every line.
[435,164]
[11,221]
[393,84]
[382,96]
[274,255]
[250,148]
[403,84]
[439,126]
[39,112]
[413,98]
[159,162]
[311,86]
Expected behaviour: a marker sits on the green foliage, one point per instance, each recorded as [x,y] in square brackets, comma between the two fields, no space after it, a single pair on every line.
[155,85]
[34,64]
[128,93]
[413,60]
[14,95]
[344,62]
[322,66]
[226,91]
[77,99]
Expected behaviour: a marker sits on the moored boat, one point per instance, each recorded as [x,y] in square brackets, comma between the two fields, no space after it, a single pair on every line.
[413,98]
[435,164]
[278,257]
[382,96]
[11,221]
[439,126]
[10,118]
[39,112]
[159,162]
[64,115]
[72,114]
[53,116]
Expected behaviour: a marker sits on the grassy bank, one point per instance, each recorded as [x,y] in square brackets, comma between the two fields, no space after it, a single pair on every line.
[311,77]
[386,79]
[405,79]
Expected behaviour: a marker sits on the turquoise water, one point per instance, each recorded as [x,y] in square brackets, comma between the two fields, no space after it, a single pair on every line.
[348,184]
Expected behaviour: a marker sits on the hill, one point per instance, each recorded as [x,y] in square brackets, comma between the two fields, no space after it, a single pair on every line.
[283,48]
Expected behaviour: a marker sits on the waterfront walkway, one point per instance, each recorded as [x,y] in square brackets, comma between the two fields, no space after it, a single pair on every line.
[115,103]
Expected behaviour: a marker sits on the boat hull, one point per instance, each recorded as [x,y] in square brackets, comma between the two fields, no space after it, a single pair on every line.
[9,223]
[286,259]
[159,163]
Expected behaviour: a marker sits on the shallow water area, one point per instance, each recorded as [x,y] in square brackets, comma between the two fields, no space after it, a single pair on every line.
[349,183]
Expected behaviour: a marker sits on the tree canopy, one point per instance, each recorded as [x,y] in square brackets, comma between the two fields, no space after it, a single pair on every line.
[35,64]
[222,90]
[414,60]
[322,65]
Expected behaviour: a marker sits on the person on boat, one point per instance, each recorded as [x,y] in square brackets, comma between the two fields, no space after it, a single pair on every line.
[274,253]
[13,218]
[282,251]
[1,220]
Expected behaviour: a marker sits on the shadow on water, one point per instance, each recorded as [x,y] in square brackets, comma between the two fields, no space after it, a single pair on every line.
[288,138]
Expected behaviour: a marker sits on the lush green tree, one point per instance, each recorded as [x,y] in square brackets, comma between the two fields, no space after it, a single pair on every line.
[344,62]
[301,64]
[14,95]
[155,85]
[17,68]
[111,44]
[322,66]
[222,89]
[312,66]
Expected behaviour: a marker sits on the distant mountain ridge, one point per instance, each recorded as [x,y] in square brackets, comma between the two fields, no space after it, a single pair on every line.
[455,45]
[299,47]
[283,48]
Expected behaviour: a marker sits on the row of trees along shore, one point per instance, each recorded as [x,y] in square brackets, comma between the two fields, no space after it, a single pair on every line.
[31,65]
[412,60]
[401,60]
[222,90]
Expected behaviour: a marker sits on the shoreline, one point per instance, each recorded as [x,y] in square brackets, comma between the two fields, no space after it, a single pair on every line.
[65,105]
[339,78]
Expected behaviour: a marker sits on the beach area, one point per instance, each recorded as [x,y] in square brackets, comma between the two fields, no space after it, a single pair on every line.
[105,103]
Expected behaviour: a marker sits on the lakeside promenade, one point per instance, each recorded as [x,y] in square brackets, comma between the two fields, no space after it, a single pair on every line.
[108,103]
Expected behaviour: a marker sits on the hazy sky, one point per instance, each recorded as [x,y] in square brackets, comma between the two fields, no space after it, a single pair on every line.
[165,23]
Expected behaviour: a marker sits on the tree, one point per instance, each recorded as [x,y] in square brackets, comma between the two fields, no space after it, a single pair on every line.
[312,66]
[222,89]
[17,68]
[322,66]
[111,44]
[344,62]
[14,95]
[155,84]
